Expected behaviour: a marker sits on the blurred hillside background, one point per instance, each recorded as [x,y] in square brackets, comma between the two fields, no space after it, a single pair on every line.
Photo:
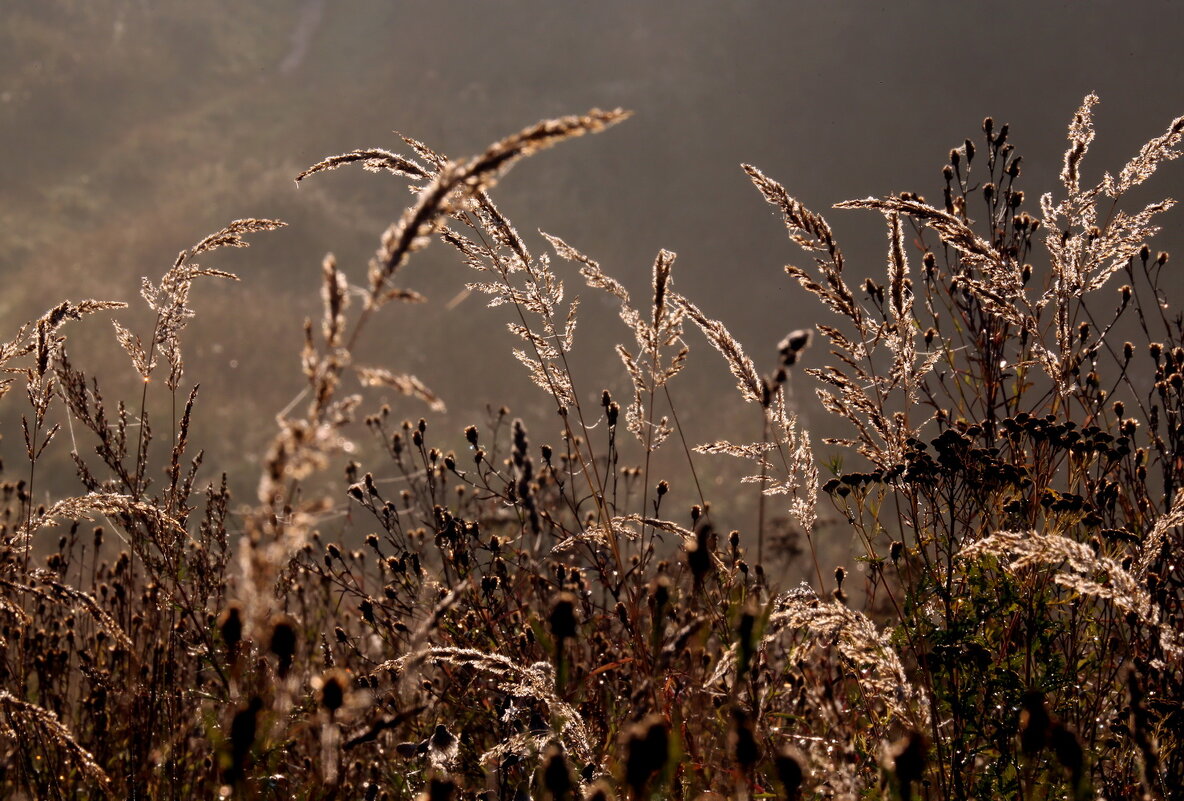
[129,129]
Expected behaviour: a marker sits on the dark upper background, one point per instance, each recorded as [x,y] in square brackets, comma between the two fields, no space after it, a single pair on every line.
[131,128]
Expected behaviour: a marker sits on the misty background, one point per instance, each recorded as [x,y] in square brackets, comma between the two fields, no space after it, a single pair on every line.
[130,129]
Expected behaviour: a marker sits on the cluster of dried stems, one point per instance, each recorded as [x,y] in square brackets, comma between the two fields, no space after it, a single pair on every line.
[488,618]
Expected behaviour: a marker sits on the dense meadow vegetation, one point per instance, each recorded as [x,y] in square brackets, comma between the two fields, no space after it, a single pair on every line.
[504,613]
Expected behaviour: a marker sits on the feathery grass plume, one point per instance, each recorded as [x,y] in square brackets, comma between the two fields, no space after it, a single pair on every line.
[13,611]
[1081,135]
[424,152]
[539,293]
[56,592]
[627,528]
[1085,251]
[30,722]
[1087,572]
[748,380]
[301,448]
[46,346]
[535,682]
[902,342]
[647,369]
[101,503]
[404,384]
[473,177]
[998,283]
[1164,147]
[791,444]
[861,394]
[134,348]
[170,300]
[801,473]
[869,657]
[812,233]
[1154,542]
[334,301]
[372,160]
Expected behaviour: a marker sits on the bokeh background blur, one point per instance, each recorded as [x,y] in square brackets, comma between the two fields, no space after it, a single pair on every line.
[129,129]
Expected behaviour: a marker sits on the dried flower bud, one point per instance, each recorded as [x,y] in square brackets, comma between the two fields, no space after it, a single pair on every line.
[745,749]
[600,791]
[442,745]
[789,773]
[795,341]
[647,748]
[557,778]
[907,761]
[332,689]
[562,618]
[1034,722]
[230,626]
[282,643]
[242,739]
[441,789]
[699,556]
[1068,750]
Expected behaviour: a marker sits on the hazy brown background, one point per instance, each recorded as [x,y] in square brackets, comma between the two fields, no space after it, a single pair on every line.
[131,128]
